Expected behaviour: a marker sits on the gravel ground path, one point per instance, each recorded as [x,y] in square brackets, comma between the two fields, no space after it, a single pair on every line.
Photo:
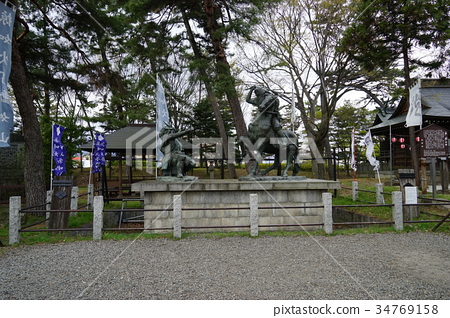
[365,266]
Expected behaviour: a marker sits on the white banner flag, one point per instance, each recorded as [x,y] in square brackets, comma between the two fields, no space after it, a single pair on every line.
[414,116]
[370,151]
[293,115]
[7,15]
[162,117]
[353,158]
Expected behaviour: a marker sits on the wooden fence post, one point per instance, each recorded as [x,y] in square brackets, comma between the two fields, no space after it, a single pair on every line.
[60,201]
[14,219]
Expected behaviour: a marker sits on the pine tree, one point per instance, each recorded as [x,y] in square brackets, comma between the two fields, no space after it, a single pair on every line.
[386,31]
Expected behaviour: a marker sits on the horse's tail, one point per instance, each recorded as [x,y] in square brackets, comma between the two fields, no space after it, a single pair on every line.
[296,169]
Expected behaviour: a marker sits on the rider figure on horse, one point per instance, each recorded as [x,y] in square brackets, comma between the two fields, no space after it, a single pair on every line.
[268,104]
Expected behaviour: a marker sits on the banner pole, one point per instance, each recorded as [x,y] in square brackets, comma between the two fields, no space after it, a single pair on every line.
[157,132]
[390,153]
[378,172]
[354,153]
[51,157]
[92,162]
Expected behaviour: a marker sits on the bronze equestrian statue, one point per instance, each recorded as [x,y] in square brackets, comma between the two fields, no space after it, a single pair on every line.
[266,126]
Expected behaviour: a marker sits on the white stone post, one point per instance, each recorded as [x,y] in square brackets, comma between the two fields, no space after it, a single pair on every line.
[74,200]
[48,206]
[327,212]
[14,219]
[380,197]
[355,190]
[98,218]
[397,211]
[254,220]
[177,216]
[90,197]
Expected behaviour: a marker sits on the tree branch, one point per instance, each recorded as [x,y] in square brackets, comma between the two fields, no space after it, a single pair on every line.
[64,32]
[27,28]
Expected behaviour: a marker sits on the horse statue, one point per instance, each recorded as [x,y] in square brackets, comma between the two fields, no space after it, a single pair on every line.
[265,127]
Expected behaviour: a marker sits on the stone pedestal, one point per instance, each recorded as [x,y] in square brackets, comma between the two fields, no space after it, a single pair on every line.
[232,197]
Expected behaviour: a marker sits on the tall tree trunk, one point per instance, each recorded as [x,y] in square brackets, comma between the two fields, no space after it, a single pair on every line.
[212,99]
[321,171]
[35,189]
[316,147]
[223,68]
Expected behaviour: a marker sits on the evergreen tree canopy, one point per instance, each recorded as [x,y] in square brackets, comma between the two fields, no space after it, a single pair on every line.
[388,30]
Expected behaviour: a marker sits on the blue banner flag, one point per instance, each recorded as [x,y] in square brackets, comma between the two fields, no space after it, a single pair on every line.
[99,153]
[58,150]
[162,116]
[7,15]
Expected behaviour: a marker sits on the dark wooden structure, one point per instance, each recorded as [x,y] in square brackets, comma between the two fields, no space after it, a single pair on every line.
[131,147]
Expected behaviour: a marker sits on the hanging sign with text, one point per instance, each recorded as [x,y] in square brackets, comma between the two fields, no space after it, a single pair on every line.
[433,142]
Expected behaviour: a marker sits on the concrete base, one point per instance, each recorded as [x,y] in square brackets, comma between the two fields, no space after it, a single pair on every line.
[231,196]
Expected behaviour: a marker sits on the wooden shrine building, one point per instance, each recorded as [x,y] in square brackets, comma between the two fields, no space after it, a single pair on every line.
[130,148]
[390,122]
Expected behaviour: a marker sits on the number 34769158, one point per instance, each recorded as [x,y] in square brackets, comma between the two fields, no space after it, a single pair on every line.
[407,309]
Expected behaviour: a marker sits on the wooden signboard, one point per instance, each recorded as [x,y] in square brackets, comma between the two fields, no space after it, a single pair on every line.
[433,142]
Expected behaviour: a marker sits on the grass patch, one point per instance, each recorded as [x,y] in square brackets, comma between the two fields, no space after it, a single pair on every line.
[433,212]
[384,213]
[345,198]
[81,219]
[118,205]
[4,216]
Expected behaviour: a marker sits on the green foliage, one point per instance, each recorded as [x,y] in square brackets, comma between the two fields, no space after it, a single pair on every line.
[387,30]
[204,122]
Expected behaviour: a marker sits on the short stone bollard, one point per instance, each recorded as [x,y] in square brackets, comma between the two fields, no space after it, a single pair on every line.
[90,198]
[74,201]
[98,218]
[211,169]
[327,199]
[397,210]
[177,216]
[380,197]
[254,220]
[355,190]
[14,219]
[48,207]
